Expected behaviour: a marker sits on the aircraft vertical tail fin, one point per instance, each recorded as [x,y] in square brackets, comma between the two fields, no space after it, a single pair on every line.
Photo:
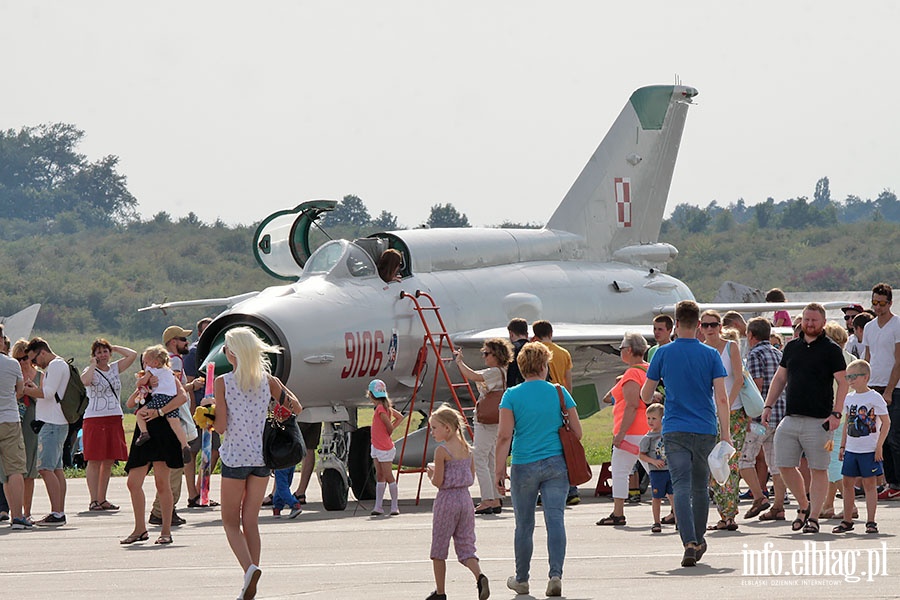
[620,196]
[20,324]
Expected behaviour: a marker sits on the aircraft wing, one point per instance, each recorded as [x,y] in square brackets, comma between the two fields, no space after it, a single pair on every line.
[20,324]
[568,334]
[228,302]
[747,307]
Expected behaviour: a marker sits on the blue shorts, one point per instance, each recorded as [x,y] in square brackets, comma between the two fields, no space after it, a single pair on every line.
[244,472]
[660,483]
[51,440]
[860,465]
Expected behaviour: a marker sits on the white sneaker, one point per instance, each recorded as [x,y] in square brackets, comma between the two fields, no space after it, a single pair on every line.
[519,587]
[554,587]
[251,577]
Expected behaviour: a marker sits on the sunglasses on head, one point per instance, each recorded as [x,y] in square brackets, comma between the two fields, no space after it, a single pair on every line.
[708,325]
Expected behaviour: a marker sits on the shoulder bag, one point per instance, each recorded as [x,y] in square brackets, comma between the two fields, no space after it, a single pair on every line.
[576,461]
[283,444]
[487,409]
[750,397]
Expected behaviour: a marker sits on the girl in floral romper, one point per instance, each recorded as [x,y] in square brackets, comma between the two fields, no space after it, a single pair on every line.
[452,472]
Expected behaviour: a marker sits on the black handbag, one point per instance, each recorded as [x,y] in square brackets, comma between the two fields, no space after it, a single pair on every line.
[283,444]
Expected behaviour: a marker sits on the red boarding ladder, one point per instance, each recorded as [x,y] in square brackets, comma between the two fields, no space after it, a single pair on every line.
[437,341]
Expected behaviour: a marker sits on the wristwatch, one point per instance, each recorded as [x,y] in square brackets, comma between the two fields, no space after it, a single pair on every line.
[835,414]
[160,411]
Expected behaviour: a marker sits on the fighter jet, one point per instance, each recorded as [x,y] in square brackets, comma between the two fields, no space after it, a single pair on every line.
[595,271]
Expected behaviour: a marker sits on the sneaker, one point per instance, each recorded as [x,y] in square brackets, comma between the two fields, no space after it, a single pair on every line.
[554,587]
[435,596]
[251,578]
[154,519]
[52,520]
[484,589]
[295,511]
[690,557]
[748,495]
[889,494]
[633,499]
[377,512]
[20,523]
[276,512]
[157,520]
[177,520]
[573,500]
[519,587]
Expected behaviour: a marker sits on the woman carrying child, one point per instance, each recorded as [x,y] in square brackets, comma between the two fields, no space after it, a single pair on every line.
[452,472]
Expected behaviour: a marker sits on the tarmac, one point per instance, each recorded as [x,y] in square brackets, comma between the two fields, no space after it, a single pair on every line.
[352,555]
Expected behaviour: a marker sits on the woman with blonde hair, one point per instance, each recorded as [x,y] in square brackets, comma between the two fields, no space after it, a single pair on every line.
[30,373]
[242,402]
[530,418]
[497,353]
[726,496]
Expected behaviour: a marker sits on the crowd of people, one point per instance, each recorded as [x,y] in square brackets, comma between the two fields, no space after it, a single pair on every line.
[827,425]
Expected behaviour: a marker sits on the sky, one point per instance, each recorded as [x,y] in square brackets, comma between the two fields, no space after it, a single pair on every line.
[234,110]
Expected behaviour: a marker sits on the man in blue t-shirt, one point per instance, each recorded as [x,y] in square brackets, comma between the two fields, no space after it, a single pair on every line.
[693,372]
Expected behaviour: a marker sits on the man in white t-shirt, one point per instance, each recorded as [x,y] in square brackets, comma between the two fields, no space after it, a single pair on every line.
[12,445]
[881,337]
[55,429]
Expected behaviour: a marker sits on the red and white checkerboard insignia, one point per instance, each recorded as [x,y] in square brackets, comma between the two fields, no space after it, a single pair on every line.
[623,201]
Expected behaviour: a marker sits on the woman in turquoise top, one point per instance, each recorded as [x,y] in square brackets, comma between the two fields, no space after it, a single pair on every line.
[531,411]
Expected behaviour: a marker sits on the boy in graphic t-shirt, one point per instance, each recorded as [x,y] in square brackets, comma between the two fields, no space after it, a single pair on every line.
[861,443]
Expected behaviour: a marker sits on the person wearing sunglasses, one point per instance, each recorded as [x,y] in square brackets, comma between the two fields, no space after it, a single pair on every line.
[497,354]
[881,337]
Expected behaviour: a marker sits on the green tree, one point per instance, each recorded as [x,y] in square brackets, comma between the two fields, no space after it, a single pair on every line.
[385,221]
[446,215]
[349,212]
[763,213]
[42,175]
[822,195]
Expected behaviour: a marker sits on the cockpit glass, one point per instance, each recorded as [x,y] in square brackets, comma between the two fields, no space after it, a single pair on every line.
[359,263]
[324,259]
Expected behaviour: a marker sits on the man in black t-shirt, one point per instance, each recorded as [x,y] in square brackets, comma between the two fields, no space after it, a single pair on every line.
[810,364]
[518,335]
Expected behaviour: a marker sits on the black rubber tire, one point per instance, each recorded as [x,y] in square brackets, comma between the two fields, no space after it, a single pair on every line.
[334,490]
[360,466]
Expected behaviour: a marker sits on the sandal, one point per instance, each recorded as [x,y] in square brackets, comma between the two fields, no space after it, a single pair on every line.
[827,514]
[612,520]
[757,507]
[812,526]
[267,501]
[843,527]
[163,539]
[772,515]
[135,537]
[95,506]
[731,526]
[871,527]
[722,525]
[107,505]
[669,519]
[657,528]
[301,498]
[798,523]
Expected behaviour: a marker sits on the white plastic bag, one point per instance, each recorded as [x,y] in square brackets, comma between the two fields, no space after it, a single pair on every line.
[718,461]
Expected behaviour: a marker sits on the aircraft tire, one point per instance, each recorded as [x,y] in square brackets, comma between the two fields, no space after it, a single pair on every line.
[334,490]
[360,466]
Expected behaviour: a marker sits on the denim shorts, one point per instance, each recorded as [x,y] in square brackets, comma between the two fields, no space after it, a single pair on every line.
[244,472]
[860,464]
[51,440]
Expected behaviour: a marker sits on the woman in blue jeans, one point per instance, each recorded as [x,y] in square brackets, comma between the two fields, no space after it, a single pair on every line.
[530,416]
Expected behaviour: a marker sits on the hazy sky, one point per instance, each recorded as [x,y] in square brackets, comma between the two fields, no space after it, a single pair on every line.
[238,109]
